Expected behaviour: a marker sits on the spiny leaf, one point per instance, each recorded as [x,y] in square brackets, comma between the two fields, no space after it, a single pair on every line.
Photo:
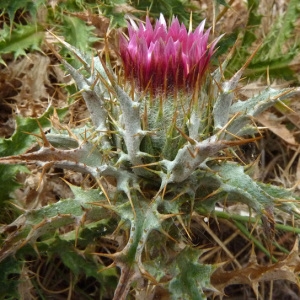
[37,223]
[18,143]
[7,180]
[271,55]
[110,9]
[22,38]
[78,264]
[78,33]
[254,273]
[22,140]
[9,278]
[11,7]
[277,67]
[279,34]
[230,183]
[254,20]
[190,276]
[248,37]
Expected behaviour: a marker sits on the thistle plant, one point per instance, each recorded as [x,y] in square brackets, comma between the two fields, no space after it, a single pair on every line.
[157,146]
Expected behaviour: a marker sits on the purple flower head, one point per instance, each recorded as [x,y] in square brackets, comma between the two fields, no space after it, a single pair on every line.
[165,59]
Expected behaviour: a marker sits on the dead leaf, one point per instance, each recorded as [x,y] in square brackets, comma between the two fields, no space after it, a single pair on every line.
[253,273]
[273,123]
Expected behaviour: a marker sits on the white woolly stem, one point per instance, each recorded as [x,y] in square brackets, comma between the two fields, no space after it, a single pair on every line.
[189,158]
[133,133]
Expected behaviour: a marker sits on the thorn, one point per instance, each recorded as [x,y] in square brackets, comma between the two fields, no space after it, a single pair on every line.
[40,136]
[193,154]
[164,191]
[111,256]
[167,235]
[68,46]
[95,81]
[240,142]
[109,207]
[131,203]
[222,13]
[113,265]
[147,165]
[78,93]
[107,72]
[191,22]
[248,61]
[106,83]
[168,216]
[211,194]
[77,228]
[218,83]
[50,45]
[103,189]
[268,76]
[227,124]
[192,141]
[214,17]
[177,196]
[147,275]
[19,207]
[287,107]
[184,227]
[145,117]
[43,136]
[46,167]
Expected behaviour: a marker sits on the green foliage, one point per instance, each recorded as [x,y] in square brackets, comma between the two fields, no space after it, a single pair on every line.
[190,276]
[12,6]
[10,277]
[79,264]
[270,55]
[20,40]
[42,224]
[38,224]
[109,8]
[23,137]
[22,140]
[179,8]
[248,37]
[222,2]
[254,20]
[78,33]
[230,182]
[279,34]
[73,6]
[17,38]
[8,181]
